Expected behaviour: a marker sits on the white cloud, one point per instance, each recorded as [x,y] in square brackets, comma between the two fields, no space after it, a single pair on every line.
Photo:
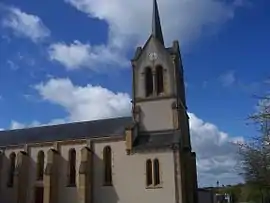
[77,55]
[84,103]
[215,150]
[18,125]
[130,22]
[228,78]
[25,25]
[6,38]
[13,66]
[216,153]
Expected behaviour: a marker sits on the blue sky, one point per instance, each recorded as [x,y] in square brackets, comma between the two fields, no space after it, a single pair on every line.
[68,60]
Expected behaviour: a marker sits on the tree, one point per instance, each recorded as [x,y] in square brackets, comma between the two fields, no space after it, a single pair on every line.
[254,154]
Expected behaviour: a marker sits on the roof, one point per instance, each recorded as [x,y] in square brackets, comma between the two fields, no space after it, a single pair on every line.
[78,130]
[161,139]
[112,127]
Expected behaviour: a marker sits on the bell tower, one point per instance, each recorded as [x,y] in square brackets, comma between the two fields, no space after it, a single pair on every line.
[159,102]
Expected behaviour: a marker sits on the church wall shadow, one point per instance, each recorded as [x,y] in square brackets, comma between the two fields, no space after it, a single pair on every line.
[100,192]
[66,193]
[6,193]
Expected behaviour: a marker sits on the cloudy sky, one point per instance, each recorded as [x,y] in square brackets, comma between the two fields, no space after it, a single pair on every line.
[68,60]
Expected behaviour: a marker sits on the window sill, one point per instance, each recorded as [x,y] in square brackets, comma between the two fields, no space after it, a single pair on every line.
[154,187]
[71,185]
[107,184]
[9,185]
[154,97]
[39,180]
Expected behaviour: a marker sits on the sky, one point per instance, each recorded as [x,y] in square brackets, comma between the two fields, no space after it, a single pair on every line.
[69,60]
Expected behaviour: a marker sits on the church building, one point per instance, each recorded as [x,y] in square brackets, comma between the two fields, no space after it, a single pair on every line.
[144,158]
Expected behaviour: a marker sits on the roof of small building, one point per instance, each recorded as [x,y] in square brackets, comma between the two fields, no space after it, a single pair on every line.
[112,127]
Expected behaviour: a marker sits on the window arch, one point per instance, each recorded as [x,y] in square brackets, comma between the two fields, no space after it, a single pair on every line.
[148,81]
[149,173]
[40,165]
[156,172]
[107,158]
[11,171]
[72,167]
[159,80]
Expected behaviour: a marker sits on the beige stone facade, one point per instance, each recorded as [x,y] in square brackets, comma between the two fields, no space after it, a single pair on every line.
[128,174]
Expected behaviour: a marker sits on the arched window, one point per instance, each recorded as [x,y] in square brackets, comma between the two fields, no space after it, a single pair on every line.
[40,165]
[159,80]
[11,171]
[107,158]
[72,167]
[156,172]
[148,81]
[149,173]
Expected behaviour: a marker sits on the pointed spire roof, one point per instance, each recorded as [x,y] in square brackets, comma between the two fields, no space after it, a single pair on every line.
[156,26]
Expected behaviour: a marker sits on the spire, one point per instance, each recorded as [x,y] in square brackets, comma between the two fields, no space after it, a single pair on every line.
[156,27]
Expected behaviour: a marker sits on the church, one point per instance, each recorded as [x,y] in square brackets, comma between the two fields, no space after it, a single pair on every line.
[144,158]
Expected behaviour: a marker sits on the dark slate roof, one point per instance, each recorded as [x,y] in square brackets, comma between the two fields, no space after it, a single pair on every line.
[162,139]
[88,129]
[78,130]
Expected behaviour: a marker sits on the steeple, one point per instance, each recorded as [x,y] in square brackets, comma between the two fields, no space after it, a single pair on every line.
[158,99]
[156,27]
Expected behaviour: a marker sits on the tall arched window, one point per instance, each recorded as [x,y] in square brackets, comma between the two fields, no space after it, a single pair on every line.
[40,165]
[72,167]
[11,171]
[148,81]
[107,158]
[159,79]
[156,172]
[149,173]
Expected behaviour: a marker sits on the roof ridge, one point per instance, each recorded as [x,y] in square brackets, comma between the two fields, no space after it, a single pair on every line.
[64,124]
